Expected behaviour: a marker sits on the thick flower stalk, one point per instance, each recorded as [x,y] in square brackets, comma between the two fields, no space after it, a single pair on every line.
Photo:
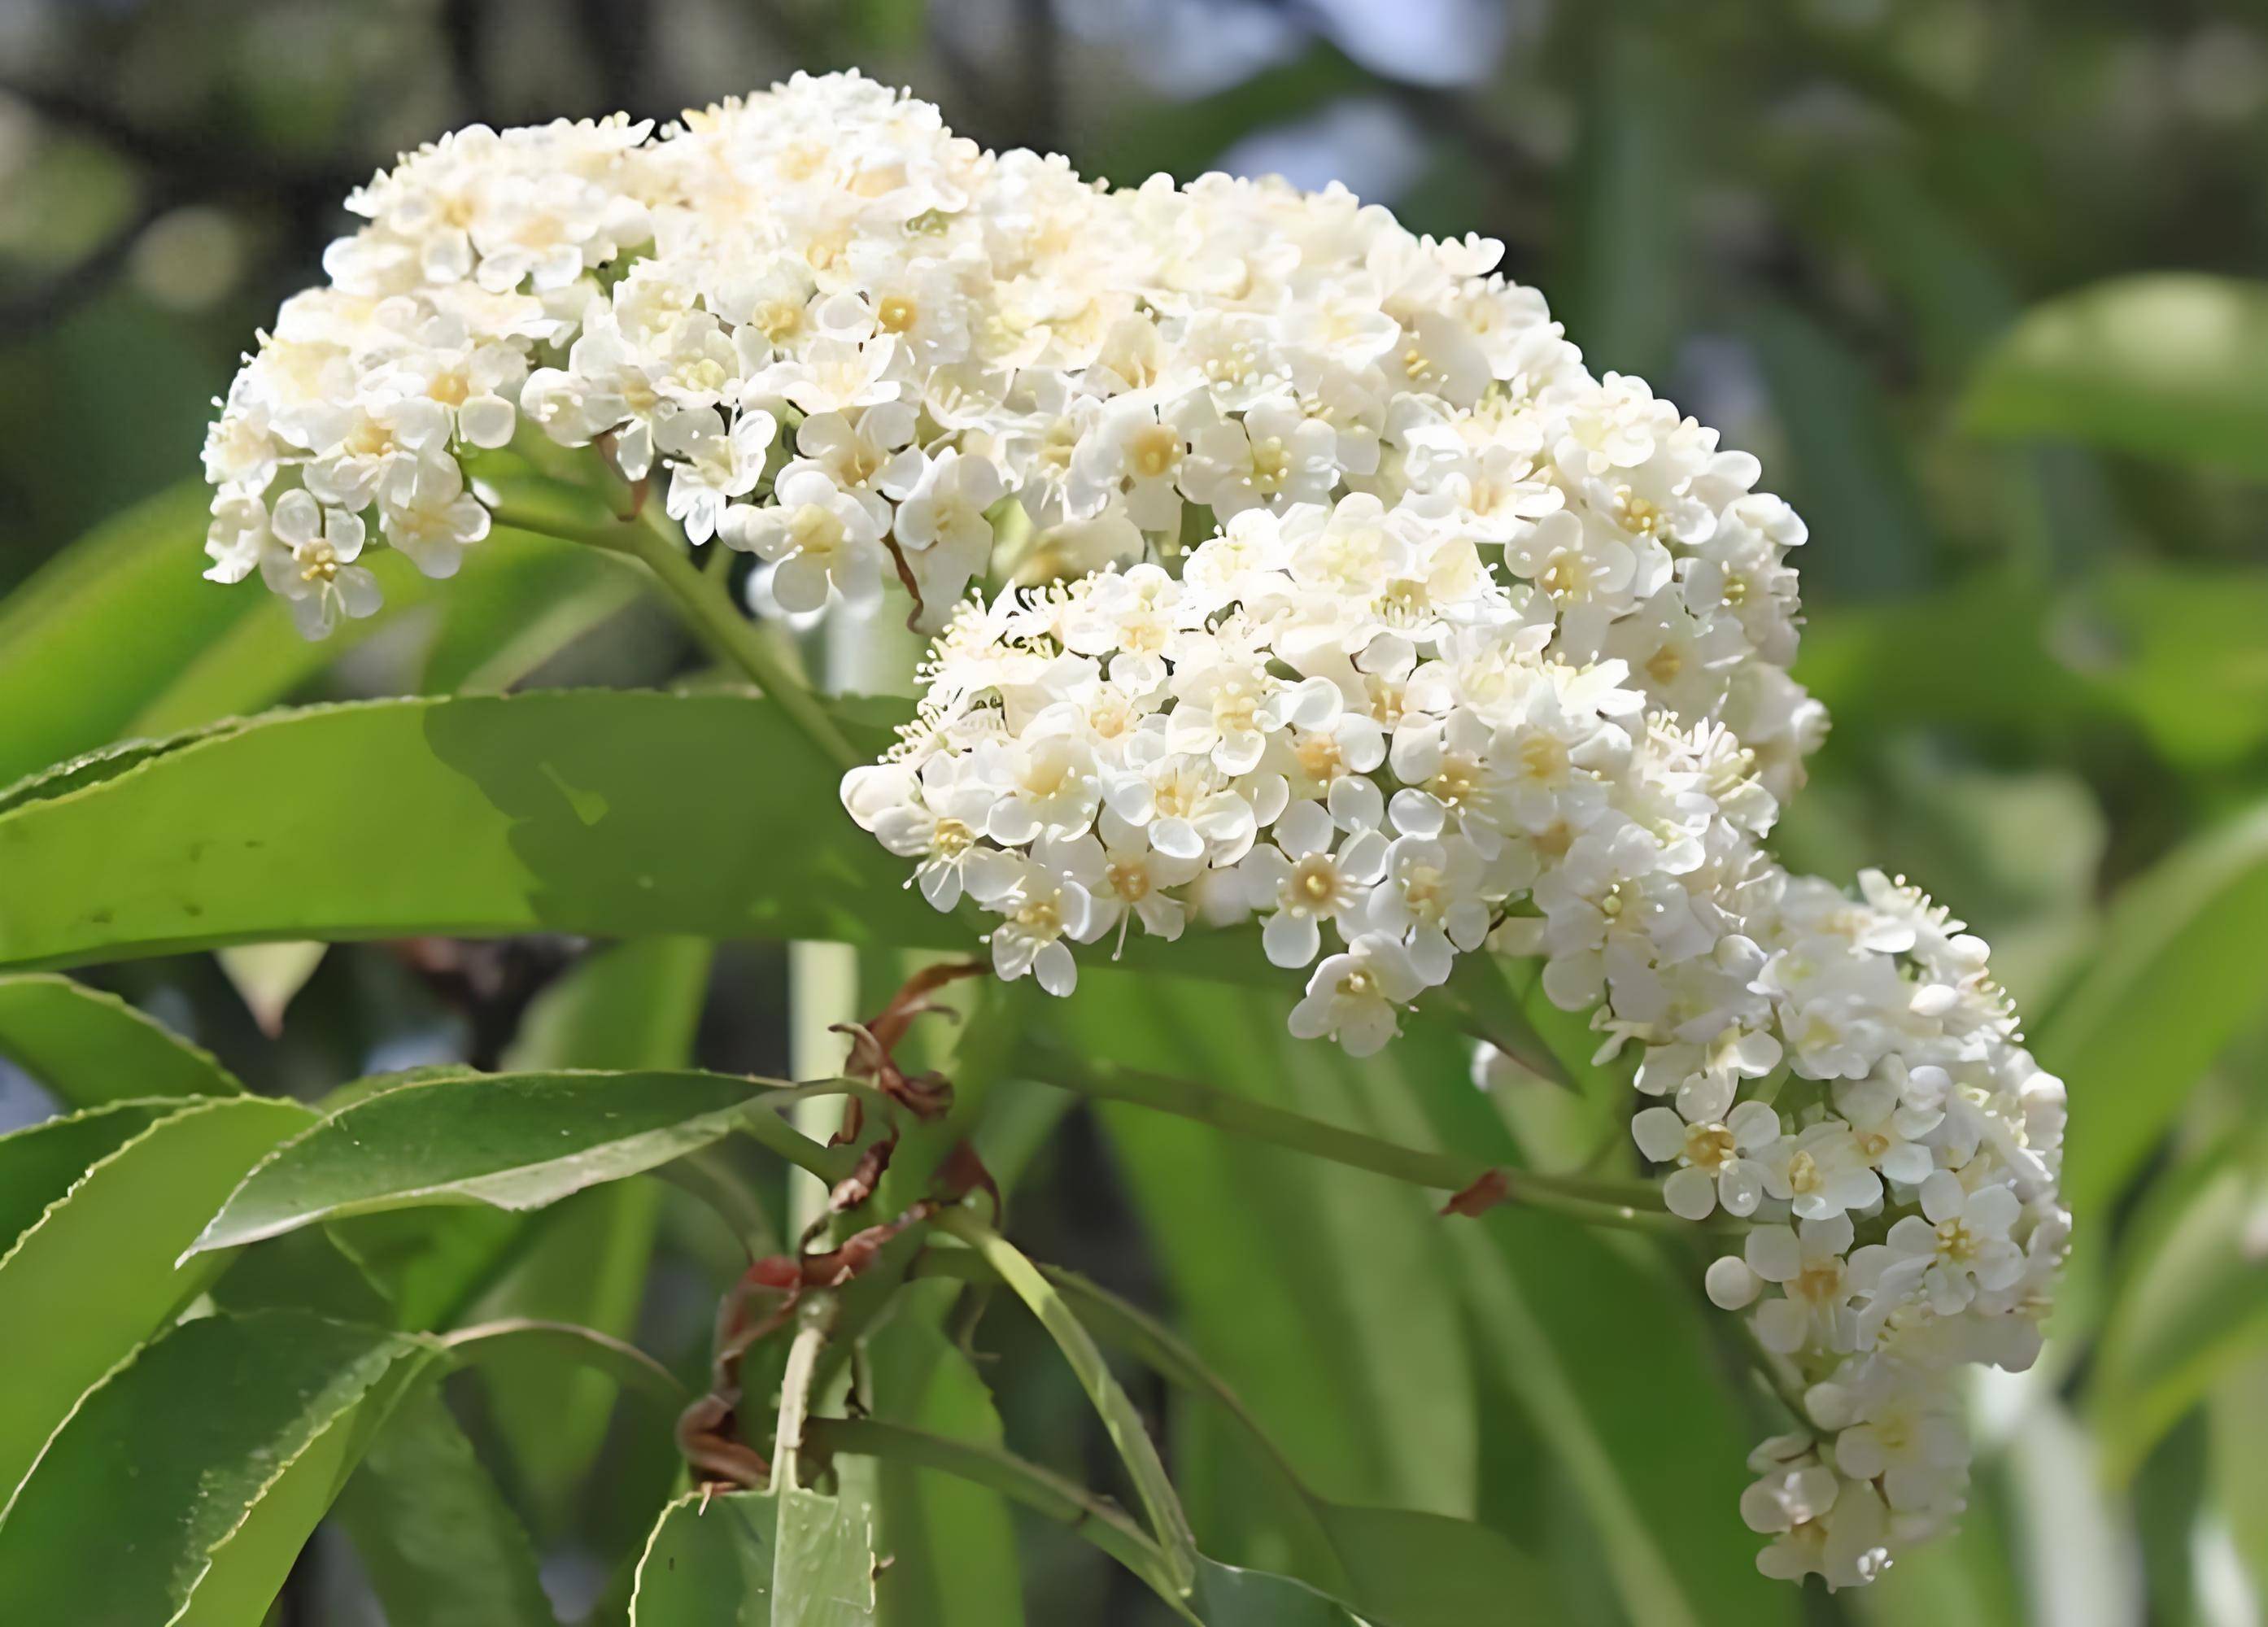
[1345,597]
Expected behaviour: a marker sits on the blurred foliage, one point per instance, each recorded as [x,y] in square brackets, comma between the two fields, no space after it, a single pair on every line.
[1972,276]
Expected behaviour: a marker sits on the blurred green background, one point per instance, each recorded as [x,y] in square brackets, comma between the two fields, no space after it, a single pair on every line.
[1971,277]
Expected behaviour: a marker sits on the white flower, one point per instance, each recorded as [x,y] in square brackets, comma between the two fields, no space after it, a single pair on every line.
[1133,454]
[711,466]
[1709,1140]
[312,564]
[941,524]
[1820,1171]
[1910,1441]
[1048,784]
[436,521]
[1272,456]
[1302,883]
[1350,595]
[1958,1245]
[1352,997]
[1040,909]
[820,537]
[1128,880]
[1808,1263]
[1431,900]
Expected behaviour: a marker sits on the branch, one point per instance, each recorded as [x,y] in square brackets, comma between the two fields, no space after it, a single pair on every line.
[1633,1204]
[701,601]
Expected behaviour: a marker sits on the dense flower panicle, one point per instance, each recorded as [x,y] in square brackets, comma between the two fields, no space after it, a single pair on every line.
[1354,604]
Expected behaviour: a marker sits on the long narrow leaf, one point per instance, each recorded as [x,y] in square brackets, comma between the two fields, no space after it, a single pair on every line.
[208,1457]
[88,1047]
[102,1267]
[510,1140]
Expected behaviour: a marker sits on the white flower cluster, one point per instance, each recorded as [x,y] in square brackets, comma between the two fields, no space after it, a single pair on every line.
[1392,625]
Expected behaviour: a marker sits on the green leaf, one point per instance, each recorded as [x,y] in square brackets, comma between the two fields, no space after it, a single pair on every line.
[2167,364]
[823,1569]
[951,1546]
[153,648]
[2134,643]
[2192,1300]
[305,1271]
[2180,977]
[497,629]
[442,1547]
[633,1007]
[434,1265]
[2239,1470]
[1405,1567]
[510,1140]
[1264,1251]
[1608,1357]
[1624,285]
[709,1563]
[1411,1569]
[98,1273]
[1846,471]
[184,1485]
[40,1164]
[120,611]
[1121,1420]
[1227,1596]
[88,1046]
[608,813]
[753,1560]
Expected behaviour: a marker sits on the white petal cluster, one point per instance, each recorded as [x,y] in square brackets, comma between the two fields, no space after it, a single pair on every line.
[1388,626]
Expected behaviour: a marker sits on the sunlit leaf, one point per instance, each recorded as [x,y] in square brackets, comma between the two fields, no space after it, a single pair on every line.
[600,812]
[2167,364]
[709,1563]
[121,612]
[2180,975]
[514,1141]
[2192,1300]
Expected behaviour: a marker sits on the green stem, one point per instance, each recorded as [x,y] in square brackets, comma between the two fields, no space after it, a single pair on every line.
[702,600]
[1595,1201]
[775,1134]
[1133,1331]
[1119,1418]
[1045,1494]
[629,1368]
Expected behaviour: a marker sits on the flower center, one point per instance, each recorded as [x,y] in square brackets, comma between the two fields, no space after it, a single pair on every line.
[1453,783]
[1155,452]
[1708,1146]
